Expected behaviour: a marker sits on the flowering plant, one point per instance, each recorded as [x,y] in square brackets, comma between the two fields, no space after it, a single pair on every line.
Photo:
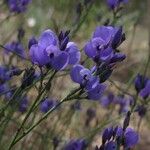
[47,80]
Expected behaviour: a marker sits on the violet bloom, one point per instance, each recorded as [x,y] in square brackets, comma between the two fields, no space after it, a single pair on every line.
[131,138]
[107,134]
[140,82]
[106,101]
[115,3]
[145,92]
[46,105]
[91,114]
[32,41]
[127,138]
[90,83]
[141,109]
[101,47]
[23,104]
[15,47]
[111,145]
[79,144]
[54,51]
[4,74]
[18,6]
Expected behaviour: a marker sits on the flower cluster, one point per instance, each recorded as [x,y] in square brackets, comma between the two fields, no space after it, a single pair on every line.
[54,51]
[18,6]
[113,138]
[102,49]
[103,45]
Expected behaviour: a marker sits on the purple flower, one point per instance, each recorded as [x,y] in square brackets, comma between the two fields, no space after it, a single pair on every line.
[79,144]
[106,101]
[31,42]
[111,145]
[54,51]
[96,92]
[115,3]
[101,47]
[90,83]
[141,110]
[18,6]
[4,74]
[119,131]
[145,92]
[107,134]
[15,47]
[23,104]
[46,105]
[140,82]
[131,138]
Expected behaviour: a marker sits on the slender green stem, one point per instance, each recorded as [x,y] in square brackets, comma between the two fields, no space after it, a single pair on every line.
[30,110]
[15,140]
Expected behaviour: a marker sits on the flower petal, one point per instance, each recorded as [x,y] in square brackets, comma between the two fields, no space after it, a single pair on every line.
[74,53]
[37,55]
[47,38]
[61,61]
[75,74]
[131,138]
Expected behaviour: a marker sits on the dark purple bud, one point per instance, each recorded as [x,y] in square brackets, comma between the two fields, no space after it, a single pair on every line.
[64,43]
[117,38]
[111,146]
[145,92]
[141,110]
[131,138]
[91,113]
[56,142]
[21,34]
[28,77]
[105,73]
[15,72]
[127,120]
[61,36]
[118,57]
[31,42]
[140,82]
[107,134]
[67,33]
